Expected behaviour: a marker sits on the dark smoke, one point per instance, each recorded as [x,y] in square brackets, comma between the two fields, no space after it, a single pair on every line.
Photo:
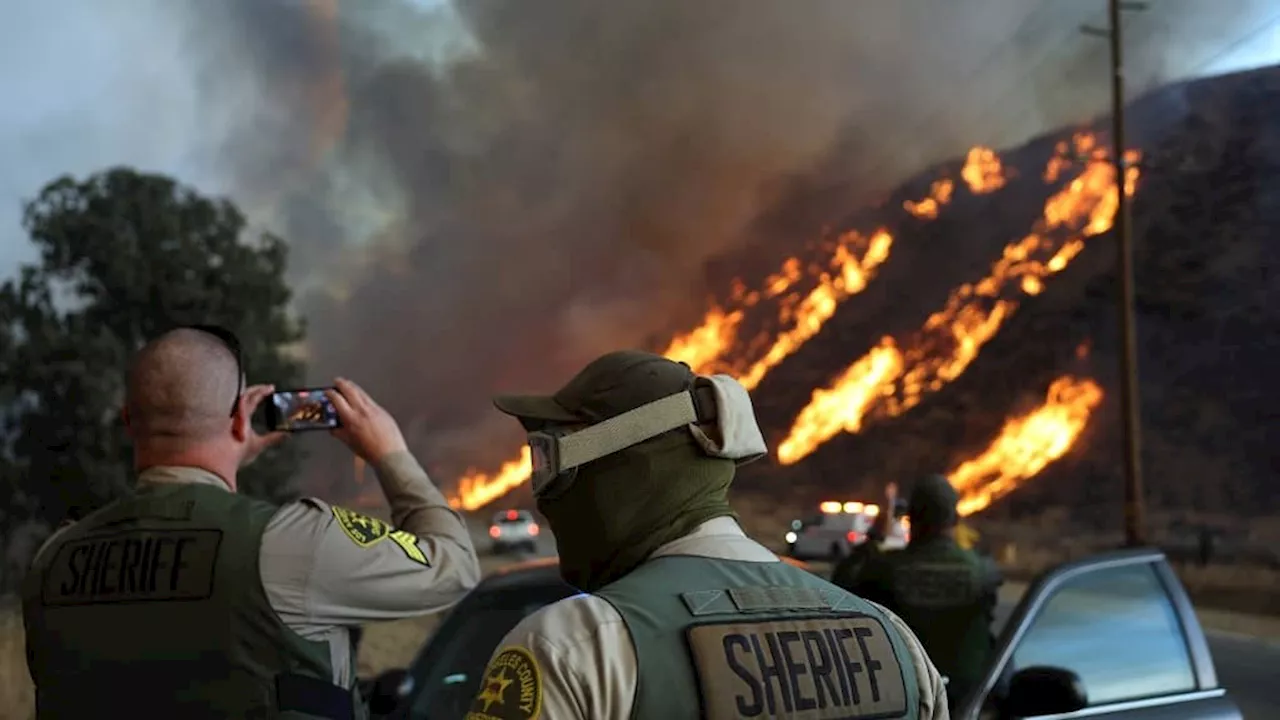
[492,219]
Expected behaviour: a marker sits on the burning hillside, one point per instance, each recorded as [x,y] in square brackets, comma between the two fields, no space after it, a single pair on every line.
[966,325]
[895,376]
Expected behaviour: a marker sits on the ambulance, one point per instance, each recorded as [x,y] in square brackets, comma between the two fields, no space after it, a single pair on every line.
[838,528]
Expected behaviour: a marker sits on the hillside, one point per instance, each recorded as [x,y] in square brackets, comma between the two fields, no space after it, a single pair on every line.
[1207,233]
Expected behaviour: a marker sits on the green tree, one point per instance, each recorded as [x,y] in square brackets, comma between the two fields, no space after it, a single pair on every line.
[125,256]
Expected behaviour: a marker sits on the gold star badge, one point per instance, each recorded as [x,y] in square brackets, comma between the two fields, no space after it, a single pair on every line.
[495,686]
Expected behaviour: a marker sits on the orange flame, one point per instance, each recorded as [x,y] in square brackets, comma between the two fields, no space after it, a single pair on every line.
[1027,444]
[705,348]
[475,489]
[951,338]
[702,347]
[850,277]
[983,171]
[927,208]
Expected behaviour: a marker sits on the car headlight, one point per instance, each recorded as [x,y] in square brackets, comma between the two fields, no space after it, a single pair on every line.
[791,538]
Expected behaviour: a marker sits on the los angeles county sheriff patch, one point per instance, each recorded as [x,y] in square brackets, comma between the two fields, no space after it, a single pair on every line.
[367,531]
[511,688]
[362,529]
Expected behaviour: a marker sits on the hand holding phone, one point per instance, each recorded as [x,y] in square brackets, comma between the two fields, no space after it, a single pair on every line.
[367,428]
[302,410]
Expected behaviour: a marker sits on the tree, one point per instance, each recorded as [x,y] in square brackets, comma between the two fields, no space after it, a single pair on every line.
[125,256]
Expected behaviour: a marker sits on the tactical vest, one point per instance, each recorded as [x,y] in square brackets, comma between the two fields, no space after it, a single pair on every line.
[723,639]
[943,594]
[153,607]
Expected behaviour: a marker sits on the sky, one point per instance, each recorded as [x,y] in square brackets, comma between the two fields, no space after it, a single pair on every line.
[556,172]
[89,83]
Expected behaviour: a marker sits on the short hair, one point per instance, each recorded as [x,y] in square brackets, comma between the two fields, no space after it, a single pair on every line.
[179,385]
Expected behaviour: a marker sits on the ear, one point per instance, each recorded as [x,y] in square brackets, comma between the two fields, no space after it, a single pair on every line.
[241,428]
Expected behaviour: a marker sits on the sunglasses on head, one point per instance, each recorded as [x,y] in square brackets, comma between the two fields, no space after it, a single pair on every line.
[232,342]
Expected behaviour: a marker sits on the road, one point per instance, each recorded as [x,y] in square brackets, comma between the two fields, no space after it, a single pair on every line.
[1246,667]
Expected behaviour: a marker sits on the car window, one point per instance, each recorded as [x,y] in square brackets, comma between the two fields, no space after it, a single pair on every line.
[1117,629]
[447,676]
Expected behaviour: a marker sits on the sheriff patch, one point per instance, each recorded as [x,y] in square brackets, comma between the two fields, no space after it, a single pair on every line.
[511,688]
[362,529]
[935,585]
[831,668]
[368,531]
[133,566]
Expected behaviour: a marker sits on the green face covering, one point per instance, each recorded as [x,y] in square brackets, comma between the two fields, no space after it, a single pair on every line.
[623,507]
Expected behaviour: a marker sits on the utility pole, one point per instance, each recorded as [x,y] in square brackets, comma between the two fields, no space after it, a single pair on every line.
[1130,402]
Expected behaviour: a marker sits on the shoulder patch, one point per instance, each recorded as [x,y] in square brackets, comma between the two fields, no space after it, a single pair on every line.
[363,530]
[408,542]
[511,688]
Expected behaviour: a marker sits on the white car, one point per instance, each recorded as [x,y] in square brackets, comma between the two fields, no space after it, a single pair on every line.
[514,530]
[838,529]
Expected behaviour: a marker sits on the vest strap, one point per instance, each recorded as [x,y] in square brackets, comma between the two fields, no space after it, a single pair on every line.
[765,599]
[313,697]
[769,599]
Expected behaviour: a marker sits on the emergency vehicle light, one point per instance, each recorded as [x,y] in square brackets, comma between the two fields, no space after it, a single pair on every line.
[853,507]
[830,506]
[872,510]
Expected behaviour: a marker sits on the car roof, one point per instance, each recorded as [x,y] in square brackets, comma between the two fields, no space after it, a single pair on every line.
[530,572]
[546,570]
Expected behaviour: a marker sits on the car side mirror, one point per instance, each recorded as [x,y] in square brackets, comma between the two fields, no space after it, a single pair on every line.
[1038,691]
[387,690]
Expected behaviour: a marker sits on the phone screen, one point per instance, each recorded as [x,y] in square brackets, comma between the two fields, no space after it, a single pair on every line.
[297,410]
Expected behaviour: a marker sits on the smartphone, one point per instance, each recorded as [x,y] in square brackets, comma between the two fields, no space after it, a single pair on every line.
[300,410]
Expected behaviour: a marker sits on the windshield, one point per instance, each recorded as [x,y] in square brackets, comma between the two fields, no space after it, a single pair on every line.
[447,675]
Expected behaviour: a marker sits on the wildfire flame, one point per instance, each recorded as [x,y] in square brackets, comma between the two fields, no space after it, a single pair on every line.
[888,379]
[1027,444]
[704,347]
[849,277]
[892,379]
[983,172]
[927,208]
[475,490]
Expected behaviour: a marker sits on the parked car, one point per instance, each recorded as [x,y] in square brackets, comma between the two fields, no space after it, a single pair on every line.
[514,530]
[1110,636]
[839,528]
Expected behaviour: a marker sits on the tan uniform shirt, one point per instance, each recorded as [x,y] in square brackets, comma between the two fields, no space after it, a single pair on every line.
[587,662]
[326,569]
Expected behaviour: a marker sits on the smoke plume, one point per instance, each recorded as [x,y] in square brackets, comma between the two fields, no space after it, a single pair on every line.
[483,196]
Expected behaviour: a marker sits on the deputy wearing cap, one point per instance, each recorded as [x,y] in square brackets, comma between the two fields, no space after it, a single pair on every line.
[682,615]
[946,593]
[189,600]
